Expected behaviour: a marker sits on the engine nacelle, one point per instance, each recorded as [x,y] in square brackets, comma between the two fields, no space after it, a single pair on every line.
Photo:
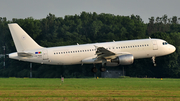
[123,59]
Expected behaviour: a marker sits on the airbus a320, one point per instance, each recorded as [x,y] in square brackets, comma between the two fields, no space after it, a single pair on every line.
[107,53]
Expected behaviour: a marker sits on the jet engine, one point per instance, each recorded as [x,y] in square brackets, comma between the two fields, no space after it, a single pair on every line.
[124,59]
[121,60]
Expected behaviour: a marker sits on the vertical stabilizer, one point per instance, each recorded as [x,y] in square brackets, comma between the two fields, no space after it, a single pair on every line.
[22,40]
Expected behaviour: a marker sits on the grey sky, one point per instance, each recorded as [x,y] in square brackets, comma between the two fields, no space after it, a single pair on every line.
[41,8]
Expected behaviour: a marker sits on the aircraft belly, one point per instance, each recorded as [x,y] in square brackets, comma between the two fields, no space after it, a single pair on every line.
[66,60]
[142,54]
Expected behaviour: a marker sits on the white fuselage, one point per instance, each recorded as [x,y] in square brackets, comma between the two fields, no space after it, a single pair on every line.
[75,54]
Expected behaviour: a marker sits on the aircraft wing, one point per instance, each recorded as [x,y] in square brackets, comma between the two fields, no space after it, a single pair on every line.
[103,53]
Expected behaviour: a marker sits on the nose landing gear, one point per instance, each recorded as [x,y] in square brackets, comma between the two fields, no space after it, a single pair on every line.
[154,61]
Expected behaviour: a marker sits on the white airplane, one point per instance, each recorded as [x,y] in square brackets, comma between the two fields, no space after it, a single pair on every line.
[107,53]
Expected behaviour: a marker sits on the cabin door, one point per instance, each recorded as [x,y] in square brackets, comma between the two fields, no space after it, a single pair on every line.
[155,46]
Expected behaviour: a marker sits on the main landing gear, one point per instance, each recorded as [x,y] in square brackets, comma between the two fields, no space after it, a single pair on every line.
[94,69]
[102,69]
[154,61]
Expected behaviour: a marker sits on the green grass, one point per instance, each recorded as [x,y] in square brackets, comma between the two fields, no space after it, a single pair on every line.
[90,89]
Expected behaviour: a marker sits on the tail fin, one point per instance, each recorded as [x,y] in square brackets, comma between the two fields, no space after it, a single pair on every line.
[22,40]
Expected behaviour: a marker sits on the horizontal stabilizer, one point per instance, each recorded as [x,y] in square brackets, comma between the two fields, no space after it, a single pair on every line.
[23,54]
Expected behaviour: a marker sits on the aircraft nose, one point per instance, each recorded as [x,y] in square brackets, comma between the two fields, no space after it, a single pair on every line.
[173,49]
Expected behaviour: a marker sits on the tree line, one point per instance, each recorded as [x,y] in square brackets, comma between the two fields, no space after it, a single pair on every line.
[92,28]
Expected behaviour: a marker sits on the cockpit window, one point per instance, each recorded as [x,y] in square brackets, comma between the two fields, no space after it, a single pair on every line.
[164,43]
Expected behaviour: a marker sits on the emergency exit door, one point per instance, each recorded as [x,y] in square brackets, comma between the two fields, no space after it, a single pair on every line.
[45,55]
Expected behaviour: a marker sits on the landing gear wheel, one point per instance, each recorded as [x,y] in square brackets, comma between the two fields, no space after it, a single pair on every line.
[103,69]
[94,70]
